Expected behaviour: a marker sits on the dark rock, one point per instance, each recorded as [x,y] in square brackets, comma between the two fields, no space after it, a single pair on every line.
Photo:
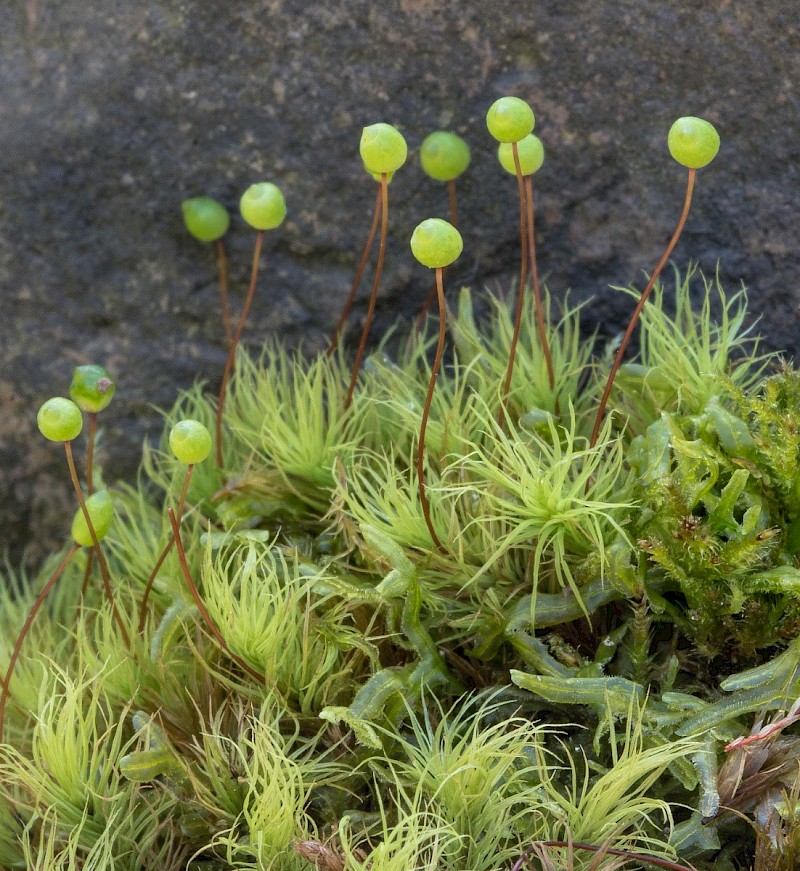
[113,112]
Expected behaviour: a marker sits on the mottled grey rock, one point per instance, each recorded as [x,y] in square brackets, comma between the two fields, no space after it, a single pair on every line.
[112,112]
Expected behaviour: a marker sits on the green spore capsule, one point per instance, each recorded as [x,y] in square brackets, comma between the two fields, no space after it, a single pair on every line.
[100,507]
[205,218]
[382,148]
[436,243]
[263,206]
[693,142]
[190,441]
[510,119]
[60,420]
[531,155]
[444,156]
[92,388]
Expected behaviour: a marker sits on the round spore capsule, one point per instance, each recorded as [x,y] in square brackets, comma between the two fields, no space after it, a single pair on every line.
[693,142]
[383,148]
[190,441]
[206,219]
[436,243]
[101,512]
[60,420]
[531,155]
[263,206]
[510,119]
[444,155]
[92,388]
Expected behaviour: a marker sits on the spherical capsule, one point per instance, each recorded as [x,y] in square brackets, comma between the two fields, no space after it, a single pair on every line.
[436,243]
[60,420]
[206,219]
[100,508]
[190,441]
[531,155]
[510,119]
[383,148]
[693,142]
[92,388]
[443,155]
[263,206]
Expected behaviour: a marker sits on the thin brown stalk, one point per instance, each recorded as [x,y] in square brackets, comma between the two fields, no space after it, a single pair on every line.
[374,295]
[212,628]
[101,561]
[248,302]
[523,275]
[648,860]
[87,573]
[537,293]
[164,553]
[639,306]
[222,269]
[348,306]
[26,628]
[423,497]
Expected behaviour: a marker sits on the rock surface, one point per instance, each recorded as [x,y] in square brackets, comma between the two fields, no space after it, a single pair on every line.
[112,112]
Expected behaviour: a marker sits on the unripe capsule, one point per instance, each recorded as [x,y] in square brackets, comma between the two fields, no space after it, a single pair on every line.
[383,148]
[263,206]
[693,142]
[100,508]
[510,119]
[206,219]
[436,243]
[531,155]
[444,155]
[190,441]
[60,420]
[92,388]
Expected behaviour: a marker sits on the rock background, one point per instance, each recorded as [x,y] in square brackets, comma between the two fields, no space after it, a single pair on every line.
[111,112]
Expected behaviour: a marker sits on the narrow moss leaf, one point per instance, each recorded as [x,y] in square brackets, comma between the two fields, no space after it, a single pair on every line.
[263,206]
[60,420]
[510,119]
[531,155]
[190,441]
[383,148]
[444,156]
[436,243]
[205,218]
[92,388]
[693,142]
[101,512]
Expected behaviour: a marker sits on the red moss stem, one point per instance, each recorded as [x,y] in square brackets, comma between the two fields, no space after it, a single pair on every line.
[101,561]
[164,553]
[639,306]
[374,295]
[26,629]
[523,275]
[348,306]
[212,628]
[248,302]
[537,293]
[222,269]
[423,497]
